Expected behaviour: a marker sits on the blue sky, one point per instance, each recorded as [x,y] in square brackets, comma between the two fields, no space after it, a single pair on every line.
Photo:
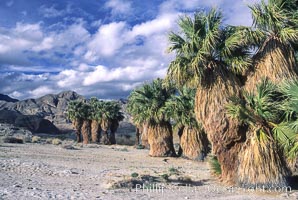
[102,48]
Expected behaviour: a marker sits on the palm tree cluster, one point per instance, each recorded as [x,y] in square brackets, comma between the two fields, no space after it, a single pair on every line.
[96,121]
[158,109]
[230,89]
[226,64]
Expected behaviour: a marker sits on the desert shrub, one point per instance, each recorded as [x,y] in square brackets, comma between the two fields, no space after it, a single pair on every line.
[49,140]
[13,140]
[131,183]
[134,175]
[165,177]
[140,146]
[56,141]
[123,149]
[173,170]
[36,139]
[214,164]
[125,140]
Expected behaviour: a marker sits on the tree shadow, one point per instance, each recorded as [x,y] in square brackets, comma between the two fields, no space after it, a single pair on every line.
[293,181]
[182,181]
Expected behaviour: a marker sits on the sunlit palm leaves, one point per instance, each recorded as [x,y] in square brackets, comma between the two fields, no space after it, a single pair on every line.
[262,157]
[289,90]
[273,22]
[258,109]
[271,112]
[146,103]
[202,47]
[73,110]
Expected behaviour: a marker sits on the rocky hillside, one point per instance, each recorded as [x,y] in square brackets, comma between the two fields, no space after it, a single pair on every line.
[47,114]
[7,98]
[41,114]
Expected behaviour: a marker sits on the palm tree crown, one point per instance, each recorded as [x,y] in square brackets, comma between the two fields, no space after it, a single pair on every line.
[146,103]
[203,49]
[75,110]
[275,22]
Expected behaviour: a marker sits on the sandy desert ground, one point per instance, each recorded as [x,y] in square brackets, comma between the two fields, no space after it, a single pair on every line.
[46,171]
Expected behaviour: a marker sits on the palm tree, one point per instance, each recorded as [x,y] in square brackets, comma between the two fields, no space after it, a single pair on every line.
[105,123]
[193,139]
[96,119]
[207,57]
[274,35]
[110,118]
[74,114]
[86,112]
[116,117]
[262,160]
[141,130]
[146,106]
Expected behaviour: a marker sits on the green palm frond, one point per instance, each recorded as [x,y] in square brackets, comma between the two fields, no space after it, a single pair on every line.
[256,108]
[76,110]
[146,103]
[204,45]
[263,112]
[180,108]
[284,134]
[289,89]
[293,153]
[277,21]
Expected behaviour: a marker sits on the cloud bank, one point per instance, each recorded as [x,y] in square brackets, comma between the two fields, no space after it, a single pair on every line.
[102,49]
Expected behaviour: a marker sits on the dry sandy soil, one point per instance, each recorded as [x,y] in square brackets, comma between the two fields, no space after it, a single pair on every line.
[45,171]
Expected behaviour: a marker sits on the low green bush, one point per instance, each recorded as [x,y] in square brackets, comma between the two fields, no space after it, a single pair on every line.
[215,165]
[134,175]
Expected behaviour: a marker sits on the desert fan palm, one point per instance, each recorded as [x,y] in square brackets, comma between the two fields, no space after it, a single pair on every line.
[208,58]
[262,159]
[96,116]
[274,35]
[193,139]
[74,113]
[146,106]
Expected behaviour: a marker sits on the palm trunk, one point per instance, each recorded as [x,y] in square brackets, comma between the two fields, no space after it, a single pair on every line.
[95,131]
[113,128]
[86,131]
[225,134]
[160,138]
[105,124]
[144,135]
[194,143]
[180,132]
[77,123]
[262,164]
[137,142]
